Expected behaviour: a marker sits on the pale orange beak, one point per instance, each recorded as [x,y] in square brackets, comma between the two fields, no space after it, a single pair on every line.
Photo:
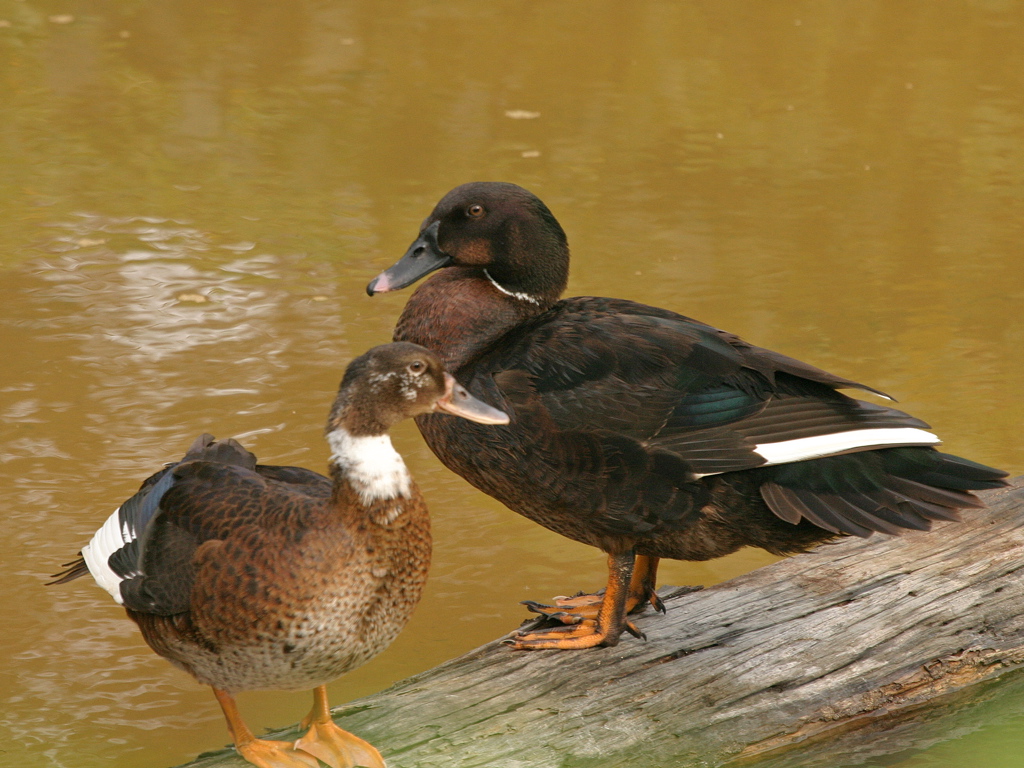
[458,402]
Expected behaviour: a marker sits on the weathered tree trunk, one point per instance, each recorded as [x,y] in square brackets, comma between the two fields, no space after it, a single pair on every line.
[856,634]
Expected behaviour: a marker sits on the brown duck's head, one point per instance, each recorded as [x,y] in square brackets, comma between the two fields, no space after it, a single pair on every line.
[398,381]
[501,230]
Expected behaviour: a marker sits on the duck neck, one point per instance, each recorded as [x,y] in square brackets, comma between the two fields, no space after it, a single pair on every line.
[369,465]
[460,312]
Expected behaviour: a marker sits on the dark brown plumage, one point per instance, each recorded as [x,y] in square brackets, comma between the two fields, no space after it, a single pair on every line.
[250,576]
[640,431]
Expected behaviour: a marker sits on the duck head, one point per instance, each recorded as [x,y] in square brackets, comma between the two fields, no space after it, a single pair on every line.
[397,381]
[500,231]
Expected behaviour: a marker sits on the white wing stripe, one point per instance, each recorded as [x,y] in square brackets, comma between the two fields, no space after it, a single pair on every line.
[816,447]
[106,541]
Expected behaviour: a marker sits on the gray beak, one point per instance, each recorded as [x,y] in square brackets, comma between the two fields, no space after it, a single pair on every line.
[422,258]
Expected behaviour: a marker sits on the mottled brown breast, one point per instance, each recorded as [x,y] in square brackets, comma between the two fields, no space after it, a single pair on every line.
[292,607]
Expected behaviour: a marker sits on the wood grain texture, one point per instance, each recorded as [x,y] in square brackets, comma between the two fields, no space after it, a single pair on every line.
[853,635]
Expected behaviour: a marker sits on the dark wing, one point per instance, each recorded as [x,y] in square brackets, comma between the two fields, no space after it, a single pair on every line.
[118,550]
[145,554]
[115,547]
[647,402]
[301,480]
[210,502]
[136,514]
[147,535]
[678,385]
[200,505]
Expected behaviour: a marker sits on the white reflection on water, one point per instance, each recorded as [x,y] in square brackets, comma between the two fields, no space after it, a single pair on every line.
[157,302]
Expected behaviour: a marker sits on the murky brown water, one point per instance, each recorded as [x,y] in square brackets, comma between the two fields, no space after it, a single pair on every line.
[195,195]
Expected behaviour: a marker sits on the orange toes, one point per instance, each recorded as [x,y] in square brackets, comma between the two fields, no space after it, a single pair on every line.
[559,613]
[339,748]
[275,754]
[585,634]
[581,600]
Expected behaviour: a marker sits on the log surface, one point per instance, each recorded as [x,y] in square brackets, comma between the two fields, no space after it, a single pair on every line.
[854,634]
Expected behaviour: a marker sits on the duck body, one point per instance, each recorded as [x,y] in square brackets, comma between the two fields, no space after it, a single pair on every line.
[602,425]
[250,576]
[640,431]
[327,582]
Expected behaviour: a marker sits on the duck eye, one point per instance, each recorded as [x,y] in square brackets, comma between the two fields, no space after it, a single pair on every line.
[475,211]
[417,367]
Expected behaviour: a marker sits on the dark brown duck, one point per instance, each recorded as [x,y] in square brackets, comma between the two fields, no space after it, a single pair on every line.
[642,432]
[250,576]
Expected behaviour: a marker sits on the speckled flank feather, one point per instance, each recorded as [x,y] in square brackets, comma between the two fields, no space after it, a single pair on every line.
[258,615]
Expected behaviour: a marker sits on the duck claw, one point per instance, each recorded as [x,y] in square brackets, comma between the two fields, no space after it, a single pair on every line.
[656,602]
[566,614]
[635,631]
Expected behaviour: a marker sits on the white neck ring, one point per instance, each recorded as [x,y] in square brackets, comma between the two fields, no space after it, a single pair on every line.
[513,294]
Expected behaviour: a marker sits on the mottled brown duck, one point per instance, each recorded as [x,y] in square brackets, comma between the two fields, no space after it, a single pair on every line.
[250,576]
[642,432]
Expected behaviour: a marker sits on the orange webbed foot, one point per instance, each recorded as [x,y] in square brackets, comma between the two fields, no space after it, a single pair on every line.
[263,753]
[339,748]
[593,619]
[335,746]
[587,606]
[275,754]
[586,634]
[569,610]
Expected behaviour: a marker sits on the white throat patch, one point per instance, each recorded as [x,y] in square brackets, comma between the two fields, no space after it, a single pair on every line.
[371,465]
[513,294]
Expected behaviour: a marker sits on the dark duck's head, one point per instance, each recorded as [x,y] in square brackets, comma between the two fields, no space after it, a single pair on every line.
[492,230]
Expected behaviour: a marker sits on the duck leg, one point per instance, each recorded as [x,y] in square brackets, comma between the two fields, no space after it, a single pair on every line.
[260,752]
[604,629]
[573,610]
[336,747]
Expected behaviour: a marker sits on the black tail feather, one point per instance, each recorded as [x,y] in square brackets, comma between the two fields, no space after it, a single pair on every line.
[73,570]
[846,507]
[899,518]
[886,490]
[944,497]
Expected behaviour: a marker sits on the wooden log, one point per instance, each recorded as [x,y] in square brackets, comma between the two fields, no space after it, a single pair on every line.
[855,634]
